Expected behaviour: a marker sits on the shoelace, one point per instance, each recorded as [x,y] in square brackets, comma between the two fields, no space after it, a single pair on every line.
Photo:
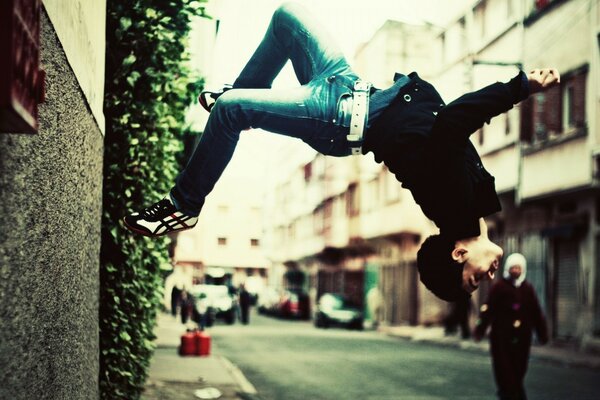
[154,209]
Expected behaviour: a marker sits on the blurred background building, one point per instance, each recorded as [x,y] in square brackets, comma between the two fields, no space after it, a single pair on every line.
[347,224]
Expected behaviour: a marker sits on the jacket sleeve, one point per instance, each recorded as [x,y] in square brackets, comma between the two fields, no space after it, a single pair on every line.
[465,115]
[539,321]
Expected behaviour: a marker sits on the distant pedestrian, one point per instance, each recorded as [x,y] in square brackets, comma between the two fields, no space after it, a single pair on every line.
[245,300]
[187,306]
[175,298]
[459,316]
[513,311]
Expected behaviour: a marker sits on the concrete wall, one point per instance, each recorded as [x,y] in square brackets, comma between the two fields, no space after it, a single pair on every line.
[50,208]
[80,26]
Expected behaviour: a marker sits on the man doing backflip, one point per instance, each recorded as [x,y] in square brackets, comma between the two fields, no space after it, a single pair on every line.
[422,140]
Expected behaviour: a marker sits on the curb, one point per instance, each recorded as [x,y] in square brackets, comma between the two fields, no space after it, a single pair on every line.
[244,384]
[537,352]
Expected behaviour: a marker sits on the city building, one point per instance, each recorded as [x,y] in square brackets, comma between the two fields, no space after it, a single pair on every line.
[543,153]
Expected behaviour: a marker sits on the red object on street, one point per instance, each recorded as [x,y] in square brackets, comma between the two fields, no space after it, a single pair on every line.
[202,343]
[189,344]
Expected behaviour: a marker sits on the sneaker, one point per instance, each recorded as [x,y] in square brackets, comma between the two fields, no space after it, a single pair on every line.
[159,219]
[208,98]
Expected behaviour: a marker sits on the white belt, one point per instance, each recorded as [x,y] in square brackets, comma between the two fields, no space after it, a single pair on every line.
[360,115]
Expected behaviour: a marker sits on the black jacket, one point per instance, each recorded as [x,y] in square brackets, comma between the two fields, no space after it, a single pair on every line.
[425,143]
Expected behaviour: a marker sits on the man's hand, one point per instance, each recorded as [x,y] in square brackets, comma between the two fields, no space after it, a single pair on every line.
[542,79]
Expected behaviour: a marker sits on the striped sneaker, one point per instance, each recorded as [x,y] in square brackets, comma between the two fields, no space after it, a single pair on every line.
[208,98]
[159,219]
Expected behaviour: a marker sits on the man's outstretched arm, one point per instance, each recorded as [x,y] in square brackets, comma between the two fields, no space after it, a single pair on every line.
[465,115]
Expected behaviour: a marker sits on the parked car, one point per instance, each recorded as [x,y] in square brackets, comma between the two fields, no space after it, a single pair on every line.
[334,309]
[294,304]
[268,300]
[222,304]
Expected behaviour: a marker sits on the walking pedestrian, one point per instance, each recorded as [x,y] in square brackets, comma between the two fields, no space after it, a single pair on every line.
[245,300]
[187,306]
[513,311]
[423,141]
[175,299]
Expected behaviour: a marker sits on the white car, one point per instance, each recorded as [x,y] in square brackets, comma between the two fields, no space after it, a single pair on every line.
[221,303]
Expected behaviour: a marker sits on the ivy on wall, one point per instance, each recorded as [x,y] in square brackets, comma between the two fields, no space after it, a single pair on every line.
[148,87]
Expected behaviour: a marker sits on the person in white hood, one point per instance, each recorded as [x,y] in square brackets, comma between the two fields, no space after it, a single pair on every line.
[513,311]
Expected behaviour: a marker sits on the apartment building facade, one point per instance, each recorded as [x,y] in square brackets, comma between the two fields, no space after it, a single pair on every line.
[543,153]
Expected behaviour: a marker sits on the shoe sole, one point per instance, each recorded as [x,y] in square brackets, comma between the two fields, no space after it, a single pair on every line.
[152,235]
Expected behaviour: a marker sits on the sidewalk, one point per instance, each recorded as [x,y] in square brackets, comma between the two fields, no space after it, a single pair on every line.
[562,356]
[173,377]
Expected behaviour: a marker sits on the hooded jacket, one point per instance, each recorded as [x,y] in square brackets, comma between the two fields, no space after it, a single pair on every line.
[512,308]
[425,143]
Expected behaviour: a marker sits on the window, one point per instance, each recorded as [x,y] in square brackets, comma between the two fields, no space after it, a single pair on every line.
[391,188]
[556,111]
[254,242]
[480,19]
[308,171]
[24,88]
[568,111]
[443,47]
[222,241]
[463,36]
[352,208]
[539,123]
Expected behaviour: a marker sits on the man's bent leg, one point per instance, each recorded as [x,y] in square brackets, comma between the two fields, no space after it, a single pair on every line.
[307,113]
[293,34]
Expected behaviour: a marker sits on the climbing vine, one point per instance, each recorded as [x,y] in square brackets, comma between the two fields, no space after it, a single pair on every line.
[149,84]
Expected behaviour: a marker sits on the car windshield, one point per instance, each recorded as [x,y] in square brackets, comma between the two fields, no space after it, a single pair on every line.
[333,302]
[212,291]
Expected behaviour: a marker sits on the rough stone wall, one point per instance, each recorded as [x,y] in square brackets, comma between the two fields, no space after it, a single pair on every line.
[50,210]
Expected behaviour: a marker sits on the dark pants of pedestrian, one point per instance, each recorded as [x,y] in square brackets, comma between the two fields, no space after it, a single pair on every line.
[175,296]
[245,314]
[510,361]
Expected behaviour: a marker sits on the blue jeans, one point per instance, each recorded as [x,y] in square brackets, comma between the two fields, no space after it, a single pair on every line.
[314,112]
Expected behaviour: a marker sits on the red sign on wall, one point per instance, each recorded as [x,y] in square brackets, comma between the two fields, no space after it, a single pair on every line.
[21,80]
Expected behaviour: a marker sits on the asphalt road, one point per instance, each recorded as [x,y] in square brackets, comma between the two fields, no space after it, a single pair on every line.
[289,360]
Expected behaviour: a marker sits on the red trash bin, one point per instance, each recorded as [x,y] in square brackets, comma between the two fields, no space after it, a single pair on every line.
[202,343]
[189,344]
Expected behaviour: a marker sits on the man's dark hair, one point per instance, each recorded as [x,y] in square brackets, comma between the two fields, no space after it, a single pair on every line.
[438,271]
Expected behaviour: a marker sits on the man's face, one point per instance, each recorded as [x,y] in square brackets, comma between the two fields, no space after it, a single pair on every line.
[481,257]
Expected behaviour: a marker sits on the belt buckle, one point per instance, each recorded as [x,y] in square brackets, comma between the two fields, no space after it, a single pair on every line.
[359,118]
[362,86]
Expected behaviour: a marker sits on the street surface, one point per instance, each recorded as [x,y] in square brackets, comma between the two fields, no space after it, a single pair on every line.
[289,360]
